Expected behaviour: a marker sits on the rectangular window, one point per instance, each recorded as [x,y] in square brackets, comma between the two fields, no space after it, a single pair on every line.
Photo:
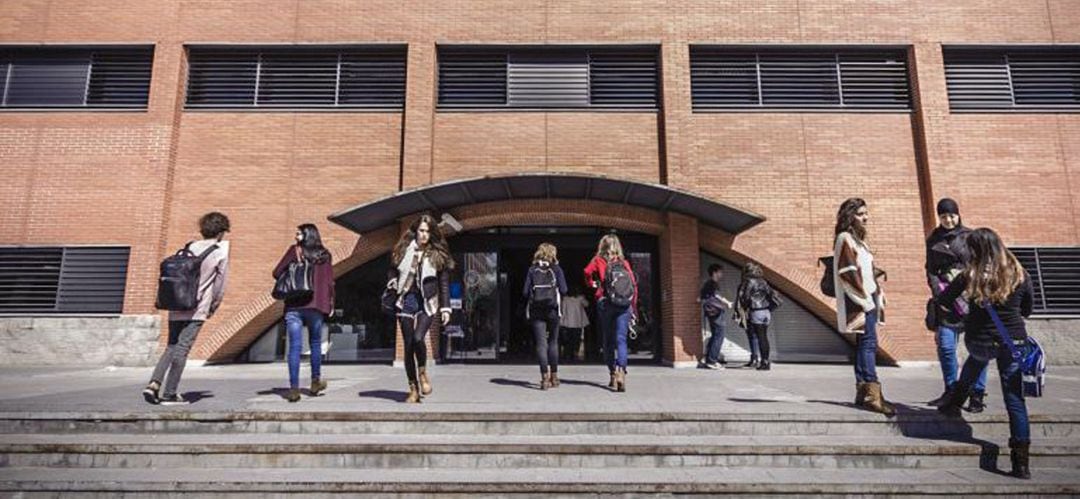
[740,78]
[1055,274]
[548,78]
[296,78]
[1013,79]
[63,279]
[75,77]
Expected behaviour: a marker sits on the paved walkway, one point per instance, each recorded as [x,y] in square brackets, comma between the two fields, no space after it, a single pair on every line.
[787,389]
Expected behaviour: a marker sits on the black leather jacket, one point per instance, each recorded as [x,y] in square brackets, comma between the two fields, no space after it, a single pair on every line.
[756,294]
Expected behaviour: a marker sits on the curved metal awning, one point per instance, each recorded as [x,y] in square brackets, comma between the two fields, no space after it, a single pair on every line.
[438,198]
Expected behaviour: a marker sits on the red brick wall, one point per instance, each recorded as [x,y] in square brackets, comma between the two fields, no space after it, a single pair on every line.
[72,176]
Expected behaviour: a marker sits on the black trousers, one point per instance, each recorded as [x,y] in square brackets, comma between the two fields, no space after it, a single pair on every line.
[413,333]
[761,331]
[546,334]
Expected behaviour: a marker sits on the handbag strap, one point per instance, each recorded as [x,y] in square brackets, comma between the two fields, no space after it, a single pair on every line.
[1002,332]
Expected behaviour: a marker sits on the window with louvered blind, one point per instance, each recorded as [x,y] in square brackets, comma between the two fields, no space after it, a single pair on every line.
[741,78]
[355,78]
[75,77]
[548,78]
[1013,79]
[63,279]
[1055,275]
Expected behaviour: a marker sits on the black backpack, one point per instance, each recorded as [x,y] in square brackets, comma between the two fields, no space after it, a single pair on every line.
[544,294]
[618,284]
[178,282]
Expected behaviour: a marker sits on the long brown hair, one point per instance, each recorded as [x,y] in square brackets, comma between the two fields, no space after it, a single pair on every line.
[610,242]
[438,252]
[993,272]
[846,220]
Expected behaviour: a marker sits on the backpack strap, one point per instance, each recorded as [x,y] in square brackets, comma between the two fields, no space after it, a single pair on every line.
[202,256]
[1002,332]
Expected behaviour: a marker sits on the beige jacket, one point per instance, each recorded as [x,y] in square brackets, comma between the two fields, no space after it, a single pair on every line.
[212,275]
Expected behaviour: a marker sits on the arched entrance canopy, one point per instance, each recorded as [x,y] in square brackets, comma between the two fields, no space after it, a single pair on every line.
[448,195]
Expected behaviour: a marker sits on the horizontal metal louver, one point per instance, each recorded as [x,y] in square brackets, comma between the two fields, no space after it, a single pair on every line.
[93,280]
[296,78]
[47,79]
[221,78]
[73,279]
[548,80]
[744,78]
[472,79]
[1020,79]
[1055,275]
[372,79]
[977,80]
[29,278]
[718,80]
[623,79]
[874,81]
[120,78]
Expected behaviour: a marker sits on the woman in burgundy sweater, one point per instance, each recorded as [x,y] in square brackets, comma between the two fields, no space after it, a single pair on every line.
[310,311]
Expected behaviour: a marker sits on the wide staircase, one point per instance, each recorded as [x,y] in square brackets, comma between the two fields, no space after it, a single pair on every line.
[522,453]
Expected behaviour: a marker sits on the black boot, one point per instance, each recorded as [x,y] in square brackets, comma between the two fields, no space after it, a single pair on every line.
[976,403]
[764,366]
[940,400]
[753,362]
[953,400]
[1018,454]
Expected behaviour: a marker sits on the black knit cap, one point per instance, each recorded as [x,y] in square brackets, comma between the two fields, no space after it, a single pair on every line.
[947,205]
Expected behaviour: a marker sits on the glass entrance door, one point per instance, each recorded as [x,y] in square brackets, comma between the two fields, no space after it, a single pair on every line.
[477,308]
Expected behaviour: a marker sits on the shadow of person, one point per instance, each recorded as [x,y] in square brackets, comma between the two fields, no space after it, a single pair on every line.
[584,383]
[284,392]
[752,401]
[192,397]
[394,395]
[515,382]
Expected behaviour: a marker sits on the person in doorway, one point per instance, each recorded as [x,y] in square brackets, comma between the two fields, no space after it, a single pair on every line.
[574,320]
[713,306]
[757,300]
[615,287]
[545,286]
[184,325]
[860,302]
[311,310]
[946,258]
[995,282]
[421,277]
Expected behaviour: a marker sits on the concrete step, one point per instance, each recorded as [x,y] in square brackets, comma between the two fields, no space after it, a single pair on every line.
[922,424]
[512,452]
[710,480]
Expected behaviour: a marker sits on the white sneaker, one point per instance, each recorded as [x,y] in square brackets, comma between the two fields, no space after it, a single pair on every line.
[174,400]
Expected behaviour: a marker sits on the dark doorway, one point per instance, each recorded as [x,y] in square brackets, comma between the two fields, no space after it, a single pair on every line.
[490,279]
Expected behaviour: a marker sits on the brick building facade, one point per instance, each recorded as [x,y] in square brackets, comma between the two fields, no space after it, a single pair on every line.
[141,178]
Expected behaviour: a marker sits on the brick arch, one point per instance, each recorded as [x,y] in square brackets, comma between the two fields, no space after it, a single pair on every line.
[236,332]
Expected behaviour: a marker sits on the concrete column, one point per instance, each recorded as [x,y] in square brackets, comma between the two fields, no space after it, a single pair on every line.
[416,166]
[679,262]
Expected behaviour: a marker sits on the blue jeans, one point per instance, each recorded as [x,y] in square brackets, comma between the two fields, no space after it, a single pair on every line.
[866,350]
[1012,385]
[615,323]
[755,345]
[295,319]
[946,339]
[716,341]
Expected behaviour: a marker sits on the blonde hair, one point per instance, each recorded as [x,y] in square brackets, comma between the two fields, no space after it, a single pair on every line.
[610,243]
[546,252]
[993,272]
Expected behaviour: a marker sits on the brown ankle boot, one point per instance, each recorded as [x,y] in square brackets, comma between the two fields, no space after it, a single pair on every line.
[860,394]
[554,379]
[293,395]
[620,380]
[545,381]
[876,402]
[414,394]
[317,386]
[611,384]
[425,383]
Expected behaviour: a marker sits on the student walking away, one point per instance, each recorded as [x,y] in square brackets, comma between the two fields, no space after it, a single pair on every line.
[757,299]
[545,286]
[996,284]
[612,279]
[574,320]
[191,288]
[713,306]
[860,300]
[310,308]
[946,257]
[421,278]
